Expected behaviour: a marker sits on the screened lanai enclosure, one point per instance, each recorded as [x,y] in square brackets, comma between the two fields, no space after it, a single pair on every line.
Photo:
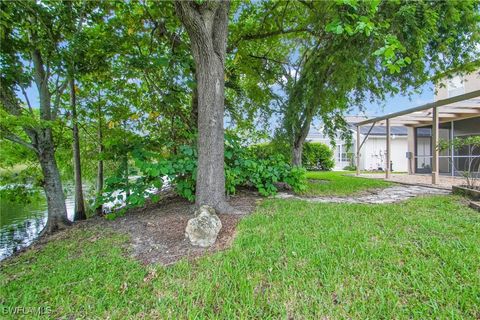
[457,117]
[451,161]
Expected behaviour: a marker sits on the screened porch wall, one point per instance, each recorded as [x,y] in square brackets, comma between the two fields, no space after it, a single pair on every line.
[451,162]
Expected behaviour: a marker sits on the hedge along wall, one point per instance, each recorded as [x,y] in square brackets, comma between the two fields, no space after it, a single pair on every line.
[316,155]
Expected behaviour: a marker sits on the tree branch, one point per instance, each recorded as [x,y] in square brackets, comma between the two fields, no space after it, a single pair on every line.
[268,59]
[56,103]
[162,29]
[259,36]
[26,99]
[14,138]
[190,18]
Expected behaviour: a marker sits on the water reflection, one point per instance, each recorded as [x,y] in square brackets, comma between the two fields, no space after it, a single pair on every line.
[20,224]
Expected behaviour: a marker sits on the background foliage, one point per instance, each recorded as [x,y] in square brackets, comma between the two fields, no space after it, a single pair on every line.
[317,156]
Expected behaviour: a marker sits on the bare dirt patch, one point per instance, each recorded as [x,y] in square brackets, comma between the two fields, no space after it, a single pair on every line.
[157,231]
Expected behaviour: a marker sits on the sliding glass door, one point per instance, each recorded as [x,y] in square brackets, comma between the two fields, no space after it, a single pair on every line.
[423,150]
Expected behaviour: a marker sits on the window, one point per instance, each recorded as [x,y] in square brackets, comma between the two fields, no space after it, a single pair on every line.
[455,86]
[341,154]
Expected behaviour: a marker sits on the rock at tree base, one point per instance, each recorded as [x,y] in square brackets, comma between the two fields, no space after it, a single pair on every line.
[203,230]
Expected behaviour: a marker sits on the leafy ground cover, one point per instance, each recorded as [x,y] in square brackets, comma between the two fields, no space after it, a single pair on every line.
[291,259]
[339,183]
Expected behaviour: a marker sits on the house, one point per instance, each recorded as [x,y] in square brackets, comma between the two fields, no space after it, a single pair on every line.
[450,162]
[373,156]
[455,112]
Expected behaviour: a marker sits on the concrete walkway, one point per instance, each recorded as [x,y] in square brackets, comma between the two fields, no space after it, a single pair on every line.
[445,182]
[387,195]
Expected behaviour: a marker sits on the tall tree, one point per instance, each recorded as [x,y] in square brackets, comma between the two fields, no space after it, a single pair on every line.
[100,171]
[366,50]
[29,28]
[75,26]
[207,26]
[79,211]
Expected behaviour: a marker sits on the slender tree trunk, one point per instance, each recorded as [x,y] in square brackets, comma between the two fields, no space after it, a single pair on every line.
[52,184]
[298,142]
[206,25]
[297,152]
[57,211]
[77,165]
[42,144]
[99,184]
[127,183]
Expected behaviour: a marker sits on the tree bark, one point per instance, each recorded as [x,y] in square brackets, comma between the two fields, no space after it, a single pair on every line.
[206,25]
[52,184]
[299,140]
[77,165]
[42,144]
[41,137]
[57,211]
[297,152]
[125,172]
[194,111]
[99,184]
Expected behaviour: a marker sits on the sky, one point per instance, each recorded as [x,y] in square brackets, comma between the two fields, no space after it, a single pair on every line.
[397,103]
[389,105]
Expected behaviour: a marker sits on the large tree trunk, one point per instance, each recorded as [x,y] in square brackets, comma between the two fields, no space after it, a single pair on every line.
[194,105]
[77,166]
[42,144]
[194,111]
[206,25]
[99,184]
[52,184]
[210,187]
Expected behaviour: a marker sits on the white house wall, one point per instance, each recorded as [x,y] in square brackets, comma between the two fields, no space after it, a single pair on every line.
[320,139]
[373,153]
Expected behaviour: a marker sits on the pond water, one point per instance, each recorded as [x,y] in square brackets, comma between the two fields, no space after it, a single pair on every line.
[20,223]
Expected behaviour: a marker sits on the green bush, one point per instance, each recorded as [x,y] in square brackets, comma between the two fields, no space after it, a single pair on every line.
[249,167]
[271,149]
[317,156]
[350,167]
[243,167]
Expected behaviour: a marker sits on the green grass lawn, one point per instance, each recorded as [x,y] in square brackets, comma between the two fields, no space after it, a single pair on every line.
[291,259]
[338,183]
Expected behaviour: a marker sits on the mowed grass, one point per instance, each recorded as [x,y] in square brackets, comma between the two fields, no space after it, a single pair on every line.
[291,259]
[338,183]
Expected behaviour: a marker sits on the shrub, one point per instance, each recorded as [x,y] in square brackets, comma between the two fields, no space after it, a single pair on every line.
[249,167]
[350,167]
[242,168]
[271,149]
[317,156]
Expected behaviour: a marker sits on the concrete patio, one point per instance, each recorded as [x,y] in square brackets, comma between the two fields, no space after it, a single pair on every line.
[444,182]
